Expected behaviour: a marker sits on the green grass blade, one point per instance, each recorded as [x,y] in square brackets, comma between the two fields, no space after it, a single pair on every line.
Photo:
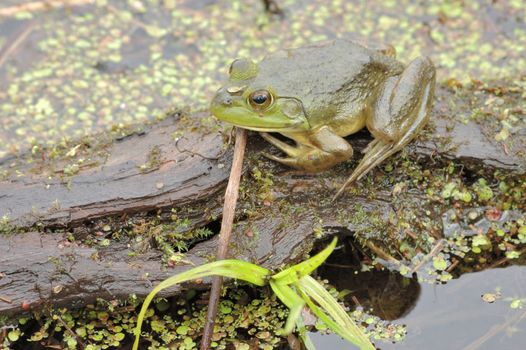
[342,325]
[335,327]
[326,301]
[227,268]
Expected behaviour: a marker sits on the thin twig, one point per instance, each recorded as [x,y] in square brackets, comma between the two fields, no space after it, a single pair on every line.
[355,301]
[229,208]
[79,341]
[382,254]
[6,300]
[493,331]
[16,43]
[453,265]
[436,249]
[40,6]
[505,259]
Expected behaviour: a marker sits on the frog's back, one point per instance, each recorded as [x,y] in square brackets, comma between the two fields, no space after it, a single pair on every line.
[337,74]
[335,61]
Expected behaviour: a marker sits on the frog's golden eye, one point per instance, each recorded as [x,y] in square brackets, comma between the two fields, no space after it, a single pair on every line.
[260,99]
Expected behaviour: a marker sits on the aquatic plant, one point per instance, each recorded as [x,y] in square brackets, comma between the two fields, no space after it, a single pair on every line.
[293,286]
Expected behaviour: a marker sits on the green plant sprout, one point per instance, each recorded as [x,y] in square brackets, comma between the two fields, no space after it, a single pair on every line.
[293,286]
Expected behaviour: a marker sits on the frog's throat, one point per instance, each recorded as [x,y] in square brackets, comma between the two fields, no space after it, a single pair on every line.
[276,129]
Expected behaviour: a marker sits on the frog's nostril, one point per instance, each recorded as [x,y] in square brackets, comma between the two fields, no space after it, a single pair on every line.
[224,98]
[227,100]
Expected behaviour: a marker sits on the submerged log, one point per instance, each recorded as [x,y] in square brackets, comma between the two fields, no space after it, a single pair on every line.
[150,171]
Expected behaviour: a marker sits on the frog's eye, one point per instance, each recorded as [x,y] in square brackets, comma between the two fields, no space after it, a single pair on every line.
[260,99]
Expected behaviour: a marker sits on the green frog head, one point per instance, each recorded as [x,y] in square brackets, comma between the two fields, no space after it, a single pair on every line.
[244,102]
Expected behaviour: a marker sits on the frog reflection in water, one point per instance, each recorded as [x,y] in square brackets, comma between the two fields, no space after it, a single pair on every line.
[318,94]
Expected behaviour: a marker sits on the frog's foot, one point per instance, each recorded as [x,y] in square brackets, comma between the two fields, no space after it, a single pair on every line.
[317,151]
[311,161]
[401,110]
[292,152]
[369,146]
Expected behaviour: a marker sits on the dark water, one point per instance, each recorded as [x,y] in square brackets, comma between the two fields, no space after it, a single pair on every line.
[451,316]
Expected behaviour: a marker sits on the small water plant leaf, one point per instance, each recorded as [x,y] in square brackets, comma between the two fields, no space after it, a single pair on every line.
[329,322]
[227,268]
[291,300]
[516,304]
[293,286]
[303,335]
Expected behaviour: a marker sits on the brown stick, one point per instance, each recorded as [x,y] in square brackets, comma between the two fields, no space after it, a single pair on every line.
[40,6]
[70,331]
[16,43]
[493,331]
[229,208]
[436,249]
[505,259]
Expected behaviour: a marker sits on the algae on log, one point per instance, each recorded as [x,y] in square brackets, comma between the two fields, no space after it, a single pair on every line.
[41,268]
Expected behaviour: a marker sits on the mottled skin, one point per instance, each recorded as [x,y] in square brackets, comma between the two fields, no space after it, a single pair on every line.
[318,94]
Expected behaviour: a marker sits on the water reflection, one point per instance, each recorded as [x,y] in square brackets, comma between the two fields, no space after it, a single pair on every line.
[388,294]
[451,316]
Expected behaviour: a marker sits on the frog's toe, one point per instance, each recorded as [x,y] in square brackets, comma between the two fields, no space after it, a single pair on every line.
[374,156]
[287,161]
[379,150]
[291,151]
[369,146]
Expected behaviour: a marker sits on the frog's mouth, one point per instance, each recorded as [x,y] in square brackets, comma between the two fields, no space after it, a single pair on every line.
[247,119]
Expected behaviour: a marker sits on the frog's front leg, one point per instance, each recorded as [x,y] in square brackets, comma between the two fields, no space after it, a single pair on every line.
[320,149]
[399,113]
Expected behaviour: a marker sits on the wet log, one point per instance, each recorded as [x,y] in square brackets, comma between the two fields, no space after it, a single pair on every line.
[144,171]
[39,268]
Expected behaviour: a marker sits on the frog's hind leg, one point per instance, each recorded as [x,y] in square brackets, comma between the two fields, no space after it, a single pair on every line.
[401,110]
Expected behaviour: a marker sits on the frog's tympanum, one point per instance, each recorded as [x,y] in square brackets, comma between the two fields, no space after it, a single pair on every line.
[318,94]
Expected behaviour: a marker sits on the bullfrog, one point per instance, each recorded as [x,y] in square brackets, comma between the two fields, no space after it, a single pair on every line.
[316,95]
